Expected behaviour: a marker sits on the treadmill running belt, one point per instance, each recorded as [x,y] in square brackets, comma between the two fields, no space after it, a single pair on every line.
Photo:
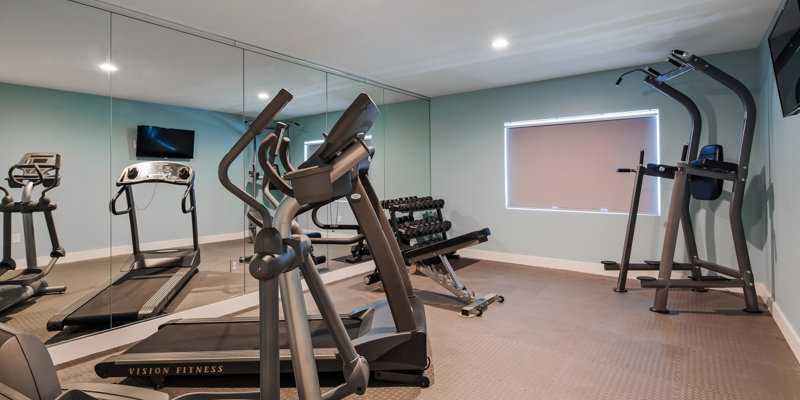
[124,298]
[230,336]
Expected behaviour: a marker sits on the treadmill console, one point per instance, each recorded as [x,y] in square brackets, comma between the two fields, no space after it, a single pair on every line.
[24,170]
[172,172]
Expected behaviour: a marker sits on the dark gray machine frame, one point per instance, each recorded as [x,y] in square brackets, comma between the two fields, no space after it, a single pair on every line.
[658,81]
[736,173]
[27,373]
[185,261]
[32,170]
[390,334]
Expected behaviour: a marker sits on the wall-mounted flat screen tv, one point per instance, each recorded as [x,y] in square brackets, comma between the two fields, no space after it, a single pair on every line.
[784,42]
[152,141]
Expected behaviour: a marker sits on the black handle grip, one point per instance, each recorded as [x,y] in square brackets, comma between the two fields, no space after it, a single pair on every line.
[186,195]
[114,203]
[319,224]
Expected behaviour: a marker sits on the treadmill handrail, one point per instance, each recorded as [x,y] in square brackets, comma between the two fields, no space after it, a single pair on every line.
[187,195]
[281,99]
[113,204]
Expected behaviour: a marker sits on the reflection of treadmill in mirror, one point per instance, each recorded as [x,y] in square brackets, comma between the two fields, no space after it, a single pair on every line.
[153,277]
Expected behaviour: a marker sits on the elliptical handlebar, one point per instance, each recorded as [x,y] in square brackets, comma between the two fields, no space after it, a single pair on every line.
[283,152]
[270,174]
[16,178]
[281,99]
[280,129]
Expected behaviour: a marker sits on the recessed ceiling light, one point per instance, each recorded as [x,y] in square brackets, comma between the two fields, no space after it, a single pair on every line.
[263,95]
[500,43]
[108,67]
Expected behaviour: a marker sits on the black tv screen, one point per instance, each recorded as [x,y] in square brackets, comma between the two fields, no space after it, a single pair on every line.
[152,141]
[784,42]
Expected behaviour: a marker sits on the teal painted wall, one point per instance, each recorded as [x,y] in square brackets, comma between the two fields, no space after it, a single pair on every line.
[783,191]
[95,135]
[468,163]
[77,126]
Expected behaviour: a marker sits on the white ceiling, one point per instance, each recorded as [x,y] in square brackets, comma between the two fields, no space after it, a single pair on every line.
[442,47]
[429,47]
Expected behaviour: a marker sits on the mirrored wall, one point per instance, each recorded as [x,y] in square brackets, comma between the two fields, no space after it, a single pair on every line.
[141,113]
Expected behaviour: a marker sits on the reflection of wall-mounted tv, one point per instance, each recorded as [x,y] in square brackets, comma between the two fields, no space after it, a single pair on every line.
[784,42]
[152,141]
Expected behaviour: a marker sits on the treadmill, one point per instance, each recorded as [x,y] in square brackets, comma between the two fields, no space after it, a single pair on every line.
[390,334]
[153,277]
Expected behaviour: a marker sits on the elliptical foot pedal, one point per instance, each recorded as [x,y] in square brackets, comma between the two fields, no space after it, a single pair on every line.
[651,282]
[403,377]
[610,265]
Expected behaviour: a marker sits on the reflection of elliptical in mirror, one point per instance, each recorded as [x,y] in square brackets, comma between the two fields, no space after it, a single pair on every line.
[257,182]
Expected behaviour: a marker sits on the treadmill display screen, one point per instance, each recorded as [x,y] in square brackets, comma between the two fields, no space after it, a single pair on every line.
[152,141]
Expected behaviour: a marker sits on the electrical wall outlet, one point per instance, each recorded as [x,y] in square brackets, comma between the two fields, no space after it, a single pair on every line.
[339,218]
[234,266]
[15,238]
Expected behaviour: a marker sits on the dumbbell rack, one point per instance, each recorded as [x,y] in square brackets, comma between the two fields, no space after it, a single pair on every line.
[416,234]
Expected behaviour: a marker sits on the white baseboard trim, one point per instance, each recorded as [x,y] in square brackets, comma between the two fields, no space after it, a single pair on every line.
[103,341]
[552,263]
[786,328]
[128,249]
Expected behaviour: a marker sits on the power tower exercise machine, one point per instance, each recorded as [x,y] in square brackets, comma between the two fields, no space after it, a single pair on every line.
[390,334]
[658,81]
[152,277]
[32,170]
[703,179]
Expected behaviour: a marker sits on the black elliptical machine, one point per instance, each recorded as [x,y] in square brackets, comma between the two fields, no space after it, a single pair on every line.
[32,170]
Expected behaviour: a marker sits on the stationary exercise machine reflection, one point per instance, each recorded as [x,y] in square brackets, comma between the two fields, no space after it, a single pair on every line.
[152,277]
[32,170]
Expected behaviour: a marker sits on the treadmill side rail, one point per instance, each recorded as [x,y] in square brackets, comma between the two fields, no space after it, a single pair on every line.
[56,322]
[164,294]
